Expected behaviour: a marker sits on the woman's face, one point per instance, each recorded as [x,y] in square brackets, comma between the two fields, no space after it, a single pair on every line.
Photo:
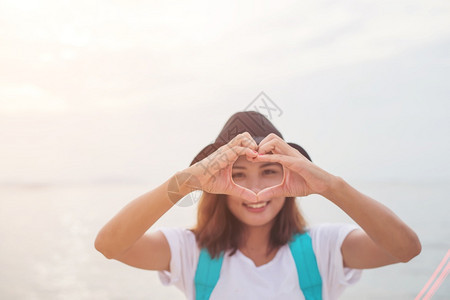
[255,176]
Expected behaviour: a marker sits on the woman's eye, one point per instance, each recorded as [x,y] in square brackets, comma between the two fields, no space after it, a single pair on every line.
[237,175]
[270,172]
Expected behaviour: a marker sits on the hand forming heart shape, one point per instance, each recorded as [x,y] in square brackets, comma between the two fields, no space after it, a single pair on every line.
[300,176]
[256,176]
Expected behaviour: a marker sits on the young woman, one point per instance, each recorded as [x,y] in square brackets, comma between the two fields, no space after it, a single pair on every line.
[251,241]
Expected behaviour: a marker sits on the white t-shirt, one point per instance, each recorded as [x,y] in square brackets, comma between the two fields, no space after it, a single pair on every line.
[277,279]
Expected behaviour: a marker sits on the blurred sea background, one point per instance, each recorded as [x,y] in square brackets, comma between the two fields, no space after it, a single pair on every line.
[103,101]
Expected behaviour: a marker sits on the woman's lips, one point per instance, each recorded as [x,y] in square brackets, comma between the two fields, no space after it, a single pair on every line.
[256,207]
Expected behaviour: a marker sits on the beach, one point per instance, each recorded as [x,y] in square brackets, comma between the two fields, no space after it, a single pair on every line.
[47,237]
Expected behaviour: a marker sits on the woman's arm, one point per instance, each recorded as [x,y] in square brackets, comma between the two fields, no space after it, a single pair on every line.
[123,239]
[385,240]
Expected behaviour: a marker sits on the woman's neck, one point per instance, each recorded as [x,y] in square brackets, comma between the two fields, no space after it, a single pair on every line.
[256,245]
[257,238]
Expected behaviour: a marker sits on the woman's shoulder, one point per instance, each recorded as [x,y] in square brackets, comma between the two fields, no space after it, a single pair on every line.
[330,228]
[177,236]
[329,235]
[176,230]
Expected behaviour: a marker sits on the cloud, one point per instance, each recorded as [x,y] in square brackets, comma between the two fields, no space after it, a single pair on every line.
[117,54]
[336,64]
[29,98]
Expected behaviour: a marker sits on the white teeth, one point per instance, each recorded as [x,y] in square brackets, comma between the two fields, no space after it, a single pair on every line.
[257,205]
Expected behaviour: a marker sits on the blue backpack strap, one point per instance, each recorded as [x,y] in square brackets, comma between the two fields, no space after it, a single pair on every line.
[208,270]
[307,269]
[207,274]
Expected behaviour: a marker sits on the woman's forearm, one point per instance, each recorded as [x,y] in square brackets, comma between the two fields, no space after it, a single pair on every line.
[132,221]
[384,227]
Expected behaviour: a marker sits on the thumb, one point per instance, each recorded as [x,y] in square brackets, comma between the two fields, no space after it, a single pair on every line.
[270,192]
[245,193]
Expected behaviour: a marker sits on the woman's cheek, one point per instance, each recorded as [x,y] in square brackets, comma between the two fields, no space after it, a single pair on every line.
[232,203]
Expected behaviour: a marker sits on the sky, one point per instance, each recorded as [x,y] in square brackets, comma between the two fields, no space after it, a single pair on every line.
[130,91]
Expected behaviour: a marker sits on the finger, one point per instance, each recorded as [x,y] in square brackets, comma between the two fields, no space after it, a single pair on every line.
[250,154]
[244,139]
[244,193]
[269,193]
[268,138]
[280,158]
[276,146]
[293,163]
[230,156]
[248,141]
[224,156]
[270,147]
[239,150]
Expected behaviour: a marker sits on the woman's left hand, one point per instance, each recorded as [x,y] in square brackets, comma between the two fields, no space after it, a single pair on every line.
[301,176]
[385,238]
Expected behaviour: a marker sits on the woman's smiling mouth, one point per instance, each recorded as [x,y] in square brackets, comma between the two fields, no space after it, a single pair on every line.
[256,207]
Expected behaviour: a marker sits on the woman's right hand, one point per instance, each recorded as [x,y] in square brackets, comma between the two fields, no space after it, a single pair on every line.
[213,173]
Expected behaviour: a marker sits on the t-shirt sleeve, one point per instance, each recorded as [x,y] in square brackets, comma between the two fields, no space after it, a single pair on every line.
[327,241]
[184,256]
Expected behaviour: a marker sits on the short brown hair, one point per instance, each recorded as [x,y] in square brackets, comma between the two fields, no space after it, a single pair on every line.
[218,230]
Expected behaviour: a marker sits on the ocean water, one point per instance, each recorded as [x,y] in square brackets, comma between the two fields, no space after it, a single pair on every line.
[47,238]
